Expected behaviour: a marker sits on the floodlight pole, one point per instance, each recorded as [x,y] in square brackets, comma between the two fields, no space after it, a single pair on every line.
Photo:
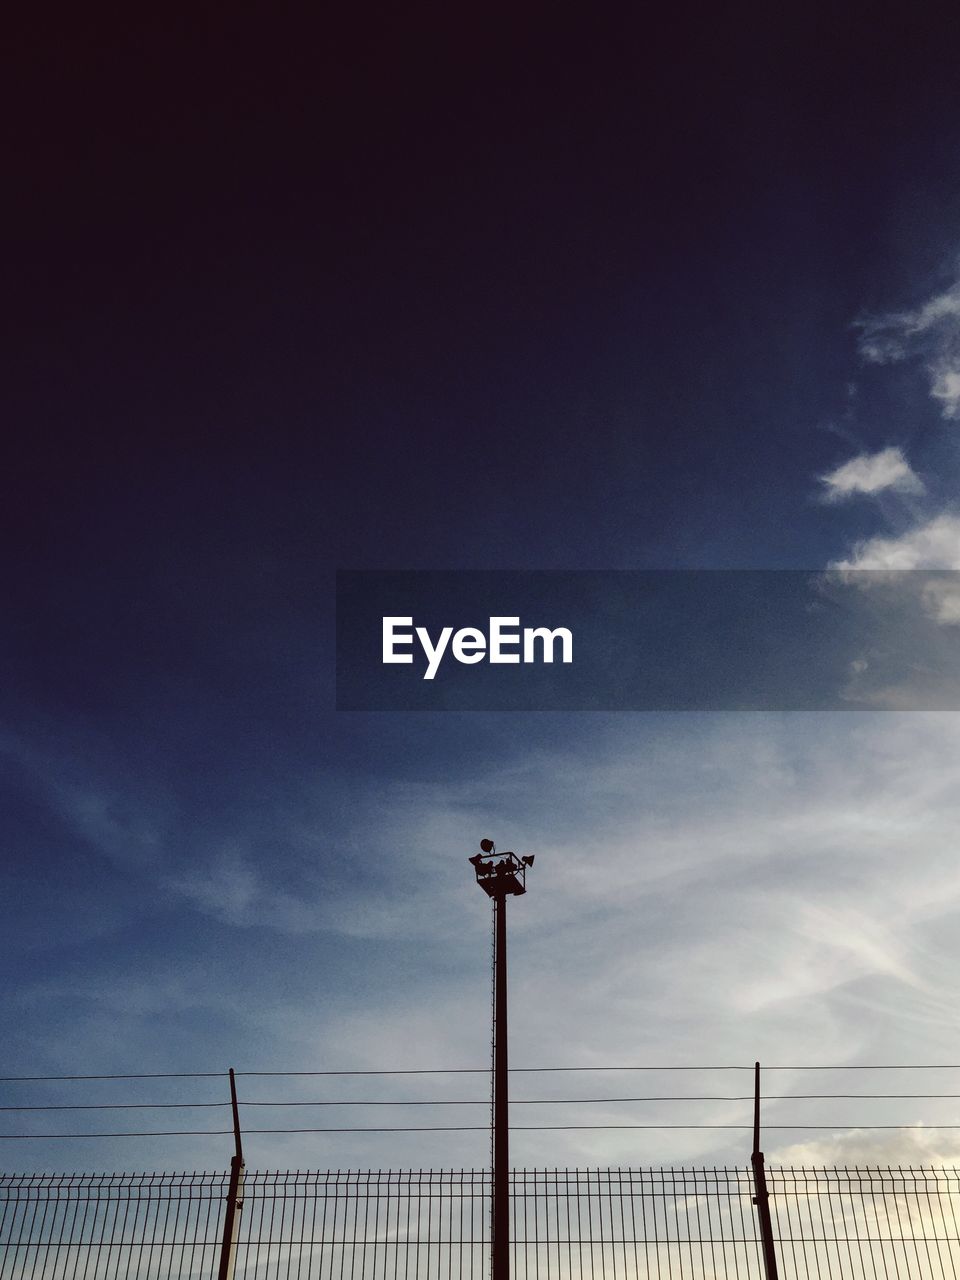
[497,875]
[501,1102]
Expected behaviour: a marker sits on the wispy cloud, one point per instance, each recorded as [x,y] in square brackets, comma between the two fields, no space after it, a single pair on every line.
[871,473]
[919,1147]
[934,543]
[930,536]
[931,333]
[772,887]
[927,536]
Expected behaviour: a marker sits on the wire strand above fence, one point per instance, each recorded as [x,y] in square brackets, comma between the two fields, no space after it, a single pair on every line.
[428,1071]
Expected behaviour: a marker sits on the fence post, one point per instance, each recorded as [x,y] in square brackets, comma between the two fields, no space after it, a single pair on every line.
[231,1221]
[762,1197]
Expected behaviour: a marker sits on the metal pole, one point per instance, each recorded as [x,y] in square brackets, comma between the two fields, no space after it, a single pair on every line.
[762,1197]
[501,1127]
[231,1221]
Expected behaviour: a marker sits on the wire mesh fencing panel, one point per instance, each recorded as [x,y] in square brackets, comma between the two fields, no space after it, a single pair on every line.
[617,1224]
[878,1224]
[403,1225]
[583,1224]
[104,1227]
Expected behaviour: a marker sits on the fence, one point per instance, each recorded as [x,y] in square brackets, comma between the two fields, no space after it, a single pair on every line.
[581,1224]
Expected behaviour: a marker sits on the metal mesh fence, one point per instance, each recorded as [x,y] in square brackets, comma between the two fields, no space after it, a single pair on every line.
[594,1224]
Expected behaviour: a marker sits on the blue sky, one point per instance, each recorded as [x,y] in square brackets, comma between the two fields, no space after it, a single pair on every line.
[436,299]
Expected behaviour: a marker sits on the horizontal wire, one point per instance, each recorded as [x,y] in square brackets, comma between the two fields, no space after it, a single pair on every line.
[141,1075]
[434,1071]
[476,1128]
[122,1106]
[536,1102]
[473,1102]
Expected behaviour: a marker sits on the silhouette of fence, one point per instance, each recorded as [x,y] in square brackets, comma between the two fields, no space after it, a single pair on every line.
[582,1224]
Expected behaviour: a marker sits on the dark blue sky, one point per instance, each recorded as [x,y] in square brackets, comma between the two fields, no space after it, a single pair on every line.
[424,290]
[416,292]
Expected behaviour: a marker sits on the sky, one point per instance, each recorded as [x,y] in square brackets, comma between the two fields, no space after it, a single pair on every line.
[289,294]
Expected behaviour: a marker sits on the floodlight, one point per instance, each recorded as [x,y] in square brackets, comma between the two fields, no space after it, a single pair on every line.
[500,873]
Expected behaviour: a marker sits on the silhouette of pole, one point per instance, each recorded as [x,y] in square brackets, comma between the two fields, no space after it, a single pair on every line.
[762,1197]
[501,1101]
[498,876]
[231,1220]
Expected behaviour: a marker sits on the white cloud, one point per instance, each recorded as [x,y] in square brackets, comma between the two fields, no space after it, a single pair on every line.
[941,601]
[920,1147]
[931,332]
[945,387]
[872,473]
[932,544]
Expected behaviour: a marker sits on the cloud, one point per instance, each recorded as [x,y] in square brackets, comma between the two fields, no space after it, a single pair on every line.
[946,388]
[931,544]
[706,887]
[941,601]
[871,473]
[918,1146]
[930,333]
[228,887]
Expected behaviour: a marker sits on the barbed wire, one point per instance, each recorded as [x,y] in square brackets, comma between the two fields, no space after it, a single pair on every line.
[425,1071]
[481,1128]
[620,1100]
[474,1102]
